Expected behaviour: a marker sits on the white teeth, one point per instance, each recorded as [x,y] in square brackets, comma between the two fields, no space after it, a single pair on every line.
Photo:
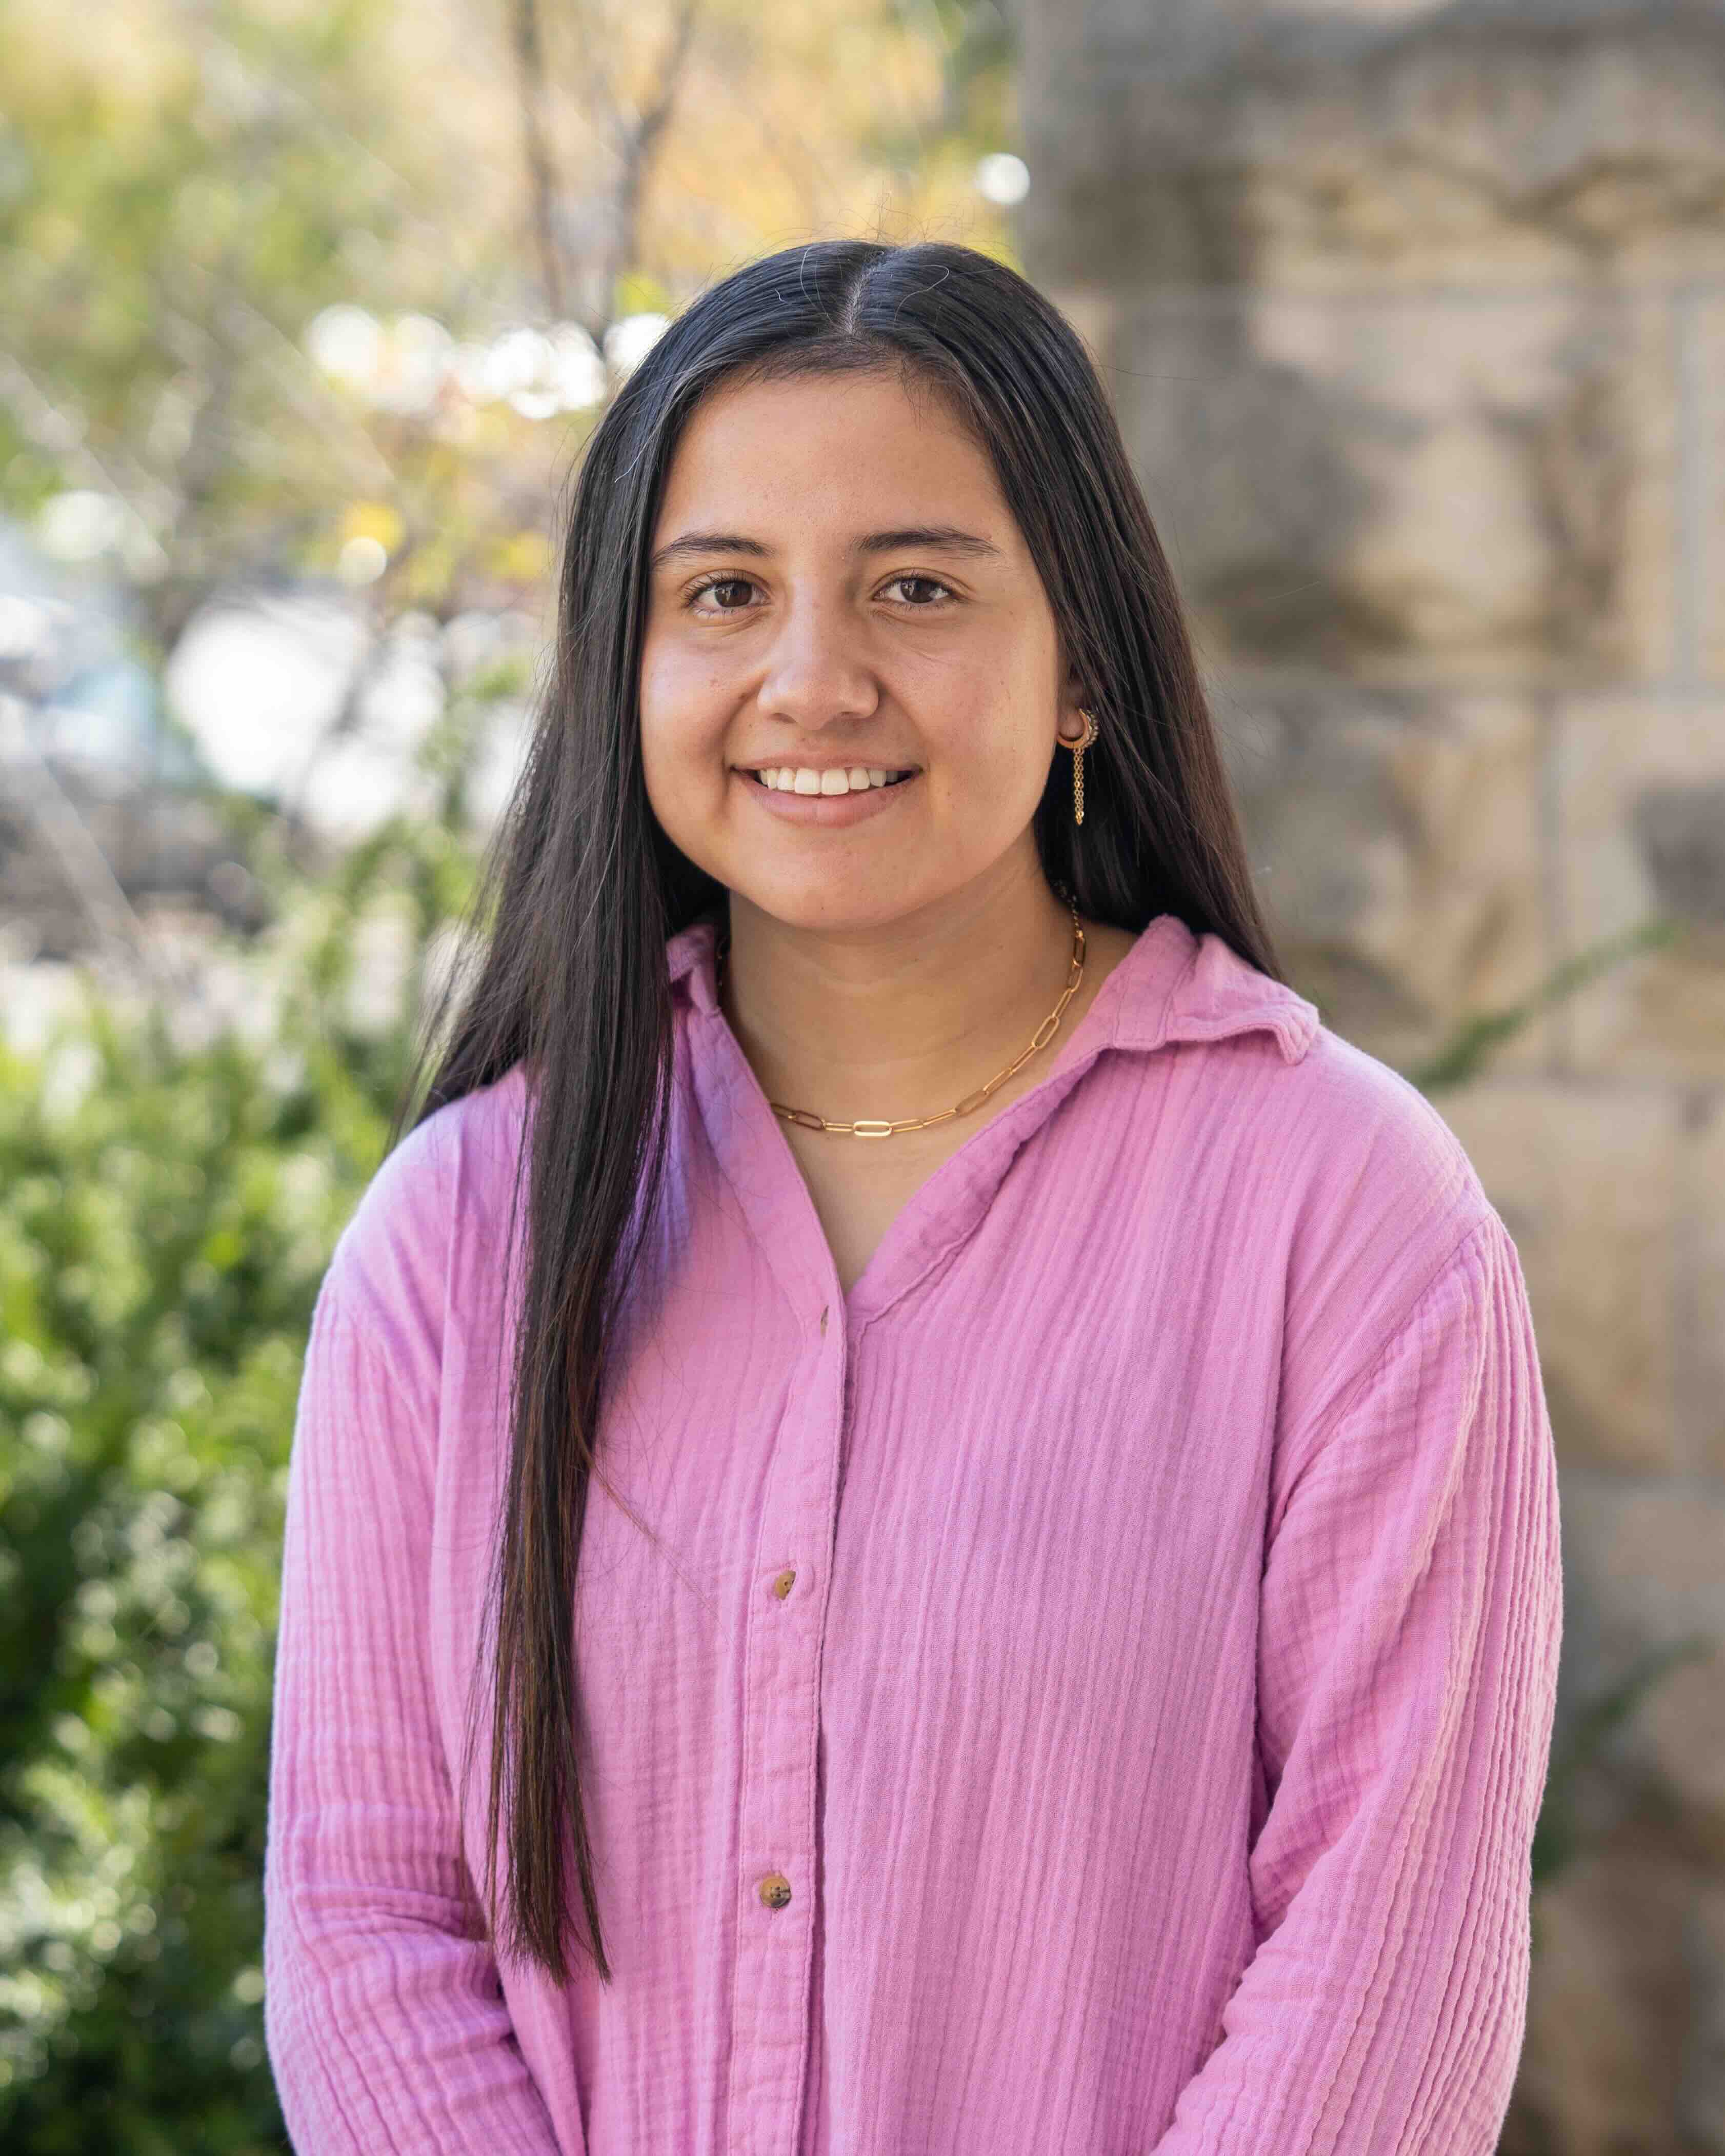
[856,779]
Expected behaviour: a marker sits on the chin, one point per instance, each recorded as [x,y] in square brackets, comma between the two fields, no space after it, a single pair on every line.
[822,910]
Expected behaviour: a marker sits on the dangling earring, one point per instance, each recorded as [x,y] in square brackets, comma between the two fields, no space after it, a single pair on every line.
[1091,731]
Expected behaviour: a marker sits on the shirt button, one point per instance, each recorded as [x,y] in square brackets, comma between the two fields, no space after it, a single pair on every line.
[782,1585]
[775,1890]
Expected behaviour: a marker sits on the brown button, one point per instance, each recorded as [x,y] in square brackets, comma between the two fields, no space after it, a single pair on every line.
[782,1585]
[823,1324]
[775,1890]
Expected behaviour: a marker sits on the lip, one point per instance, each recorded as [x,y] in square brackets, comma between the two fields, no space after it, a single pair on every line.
[828,810]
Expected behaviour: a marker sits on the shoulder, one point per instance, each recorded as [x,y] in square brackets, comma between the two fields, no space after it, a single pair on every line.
[1332,1146]
[444,1185]
[1373,1147]
[1383,1199]
[1338,1179]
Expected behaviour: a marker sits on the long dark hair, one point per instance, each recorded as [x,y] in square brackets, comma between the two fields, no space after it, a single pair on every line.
[582,888]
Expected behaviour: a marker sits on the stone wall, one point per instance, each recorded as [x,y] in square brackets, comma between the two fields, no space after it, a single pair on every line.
[1415,319]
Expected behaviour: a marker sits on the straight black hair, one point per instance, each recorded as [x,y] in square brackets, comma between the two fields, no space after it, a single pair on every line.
[582,888]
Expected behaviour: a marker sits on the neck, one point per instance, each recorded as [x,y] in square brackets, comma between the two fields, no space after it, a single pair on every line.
[900,1019]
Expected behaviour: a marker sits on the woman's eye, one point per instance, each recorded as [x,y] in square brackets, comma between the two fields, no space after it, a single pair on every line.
[928,584]
[721,584]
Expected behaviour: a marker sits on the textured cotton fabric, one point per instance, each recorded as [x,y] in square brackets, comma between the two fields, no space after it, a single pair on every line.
[1151,1734]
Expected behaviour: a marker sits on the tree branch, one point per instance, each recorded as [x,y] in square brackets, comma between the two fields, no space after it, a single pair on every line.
[74,845]
[535,144]
[640,141]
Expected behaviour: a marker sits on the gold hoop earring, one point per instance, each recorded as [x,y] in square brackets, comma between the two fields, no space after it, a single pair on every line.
[1091,731]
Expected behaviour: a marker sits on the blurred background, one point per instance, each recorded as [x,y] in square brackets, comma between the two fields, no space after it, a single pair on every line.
[1415,317]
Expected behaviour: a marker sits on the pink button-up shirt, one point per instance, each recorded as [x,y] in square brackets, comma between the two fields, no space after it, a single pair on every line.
[1151,1734]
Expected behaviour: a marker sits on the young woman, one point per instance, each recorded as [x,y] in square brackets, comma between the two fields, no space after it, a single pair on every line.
[984,1475]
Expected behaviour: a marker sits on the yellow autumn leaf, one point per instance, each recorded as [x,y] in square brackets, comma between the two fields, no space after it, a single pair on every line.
[373,519]
[524,556]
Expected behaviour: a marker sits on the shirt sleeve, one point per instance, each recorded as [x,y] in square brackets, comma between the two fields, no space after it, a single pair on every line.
[384,2016]
[1411,1611]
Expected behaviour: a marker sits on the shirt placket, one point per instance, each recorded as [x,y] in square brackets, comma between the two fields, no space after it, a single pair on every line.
[778,1881]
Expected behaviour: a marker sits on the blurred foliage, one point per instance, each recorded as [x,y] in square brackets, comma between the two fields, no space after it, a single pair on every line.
[160,1242]
[1465,1053]
[185,188]
[1582,1747]
[168,1207]
[175,209]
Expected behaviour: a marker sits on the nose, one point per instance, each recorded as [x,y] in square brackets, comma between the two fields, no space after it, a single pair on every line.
[818,668]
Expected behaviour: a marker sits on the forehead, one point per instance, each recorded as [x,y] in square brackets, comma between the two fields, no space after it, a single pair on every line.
[830,448]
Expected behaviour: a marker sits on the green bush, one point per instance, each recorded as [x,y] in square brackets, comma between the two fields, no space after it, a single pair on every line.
[167,1208]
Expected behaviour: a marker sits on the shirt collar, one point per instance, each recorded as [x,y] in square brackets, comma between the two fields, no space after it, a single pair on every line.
[1172,985]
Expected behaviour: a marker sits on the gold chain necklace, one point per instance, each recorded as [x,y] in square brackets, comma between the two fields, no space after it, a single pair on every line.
[865,1128]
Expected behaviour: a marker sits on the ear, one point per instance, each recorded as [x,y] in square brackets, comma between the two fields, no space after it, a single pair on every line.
[1069,723]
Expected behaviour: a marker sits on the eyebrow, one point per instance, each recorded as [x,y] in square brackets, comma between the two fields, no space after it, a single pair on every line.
[946,538]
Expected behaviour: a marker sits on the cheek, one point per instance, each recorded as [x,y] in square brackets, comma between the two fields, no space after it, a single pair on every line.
[682,722]
[997,755]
